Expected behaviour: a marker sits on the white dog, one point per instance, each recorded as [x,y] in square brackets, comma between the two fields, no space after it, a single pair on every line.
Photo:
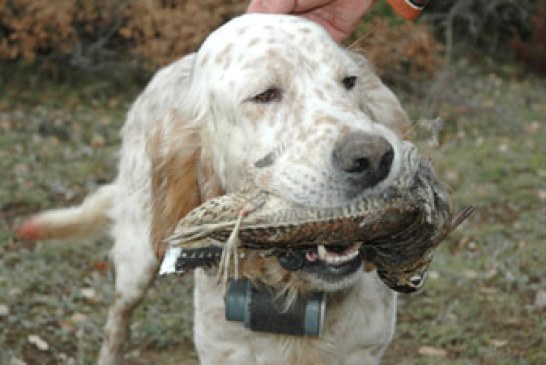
[269,101]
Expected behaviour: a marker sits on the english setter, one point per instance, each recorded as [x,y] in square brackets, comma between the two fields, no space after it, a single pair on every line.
[268,101]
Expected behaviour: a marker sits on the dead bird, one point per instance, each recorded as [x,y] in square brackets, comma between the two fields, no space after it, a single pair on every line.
[396,230]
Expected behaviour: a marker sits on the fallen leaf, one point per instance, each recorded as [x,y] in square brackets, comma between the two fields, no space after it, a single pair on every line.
[98,141]
[490,273]
[469,274]
[78,318]
[39,342]
[487,290]
[533,127]
[497,343]
[432,351]
[433,275]
[540,299]
[66,326]
[90,295]
[14,292]
[100,266]
[4,310]
[16,361]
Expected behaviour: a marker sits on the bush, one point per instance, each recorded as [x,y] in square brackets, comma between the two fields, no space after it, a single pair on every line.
[90,32]
[161,31]
[532,49]
[29,28]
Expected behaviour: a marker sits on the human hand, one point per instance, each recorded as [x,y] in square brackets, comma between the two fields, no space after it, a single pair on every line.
[339,17]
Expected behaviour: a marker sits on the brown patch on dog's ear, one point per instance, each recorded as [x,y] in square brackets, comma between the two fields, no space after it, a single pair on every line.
[175,189]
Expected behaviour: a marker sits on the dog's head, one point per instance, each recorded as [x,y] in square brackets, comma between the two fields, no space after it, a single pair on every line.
[275,103]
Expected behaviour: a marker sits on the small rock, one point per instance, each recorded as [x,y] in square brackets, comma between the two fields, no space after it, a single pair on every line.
[4,310]
[39,342]
[432,351]
[472,246]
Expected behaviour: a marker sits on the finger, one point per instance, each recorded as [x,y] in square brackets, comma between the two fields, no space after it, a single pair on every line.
[271,6]
[334,32]
[302,6]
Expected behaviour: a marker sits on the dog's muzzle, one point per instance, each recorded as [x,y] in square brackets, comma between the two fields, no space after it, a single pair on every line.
[261,309]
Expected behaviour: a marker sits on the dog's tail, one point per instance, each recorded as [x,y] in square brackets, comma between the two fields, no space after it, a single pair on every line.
[87,220]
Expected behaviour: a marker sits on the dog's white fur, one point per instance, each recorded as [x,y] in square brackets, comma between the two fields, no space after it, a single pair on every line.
[196,132]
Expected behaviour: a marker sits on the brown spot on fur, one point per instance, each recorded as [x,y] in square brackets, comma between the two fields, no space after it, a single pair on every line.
[226,354]
[205,60]
[344,130]
[253,42]
[327,120]
[401,125]
[223,54]
[241,30]
[320,95]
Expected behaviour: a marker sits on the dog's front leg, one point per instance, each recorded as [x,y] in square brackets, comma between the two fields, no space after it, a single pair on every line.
[135,267]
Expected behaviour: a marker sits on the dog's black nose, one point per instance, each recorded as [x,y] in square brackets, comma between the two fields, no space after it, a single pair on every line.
[364,159]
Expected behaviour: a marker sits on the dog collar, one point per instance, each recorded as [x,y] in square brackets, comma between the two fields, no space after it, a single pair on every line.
[261,308]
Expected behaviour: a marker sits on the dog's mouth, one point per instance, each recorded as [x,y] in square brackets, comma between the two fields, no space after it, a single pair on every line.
[329,263]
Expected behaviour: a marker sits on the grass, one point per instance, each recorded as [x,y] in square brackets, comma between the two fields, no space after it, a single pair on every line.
[58,141]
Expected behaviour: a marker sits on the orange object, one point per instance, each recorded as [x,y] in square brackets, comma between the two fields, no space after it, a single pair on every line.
[408,9]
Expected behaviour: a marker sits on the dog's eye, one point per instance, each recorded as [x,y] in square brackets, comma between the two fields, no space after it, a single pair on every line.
[349,82]
[268,96]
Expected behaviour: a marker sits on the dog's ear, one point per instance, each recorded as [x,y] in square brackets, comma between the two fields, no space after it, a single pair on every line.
[182,176]
[175,191]
[378,101]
